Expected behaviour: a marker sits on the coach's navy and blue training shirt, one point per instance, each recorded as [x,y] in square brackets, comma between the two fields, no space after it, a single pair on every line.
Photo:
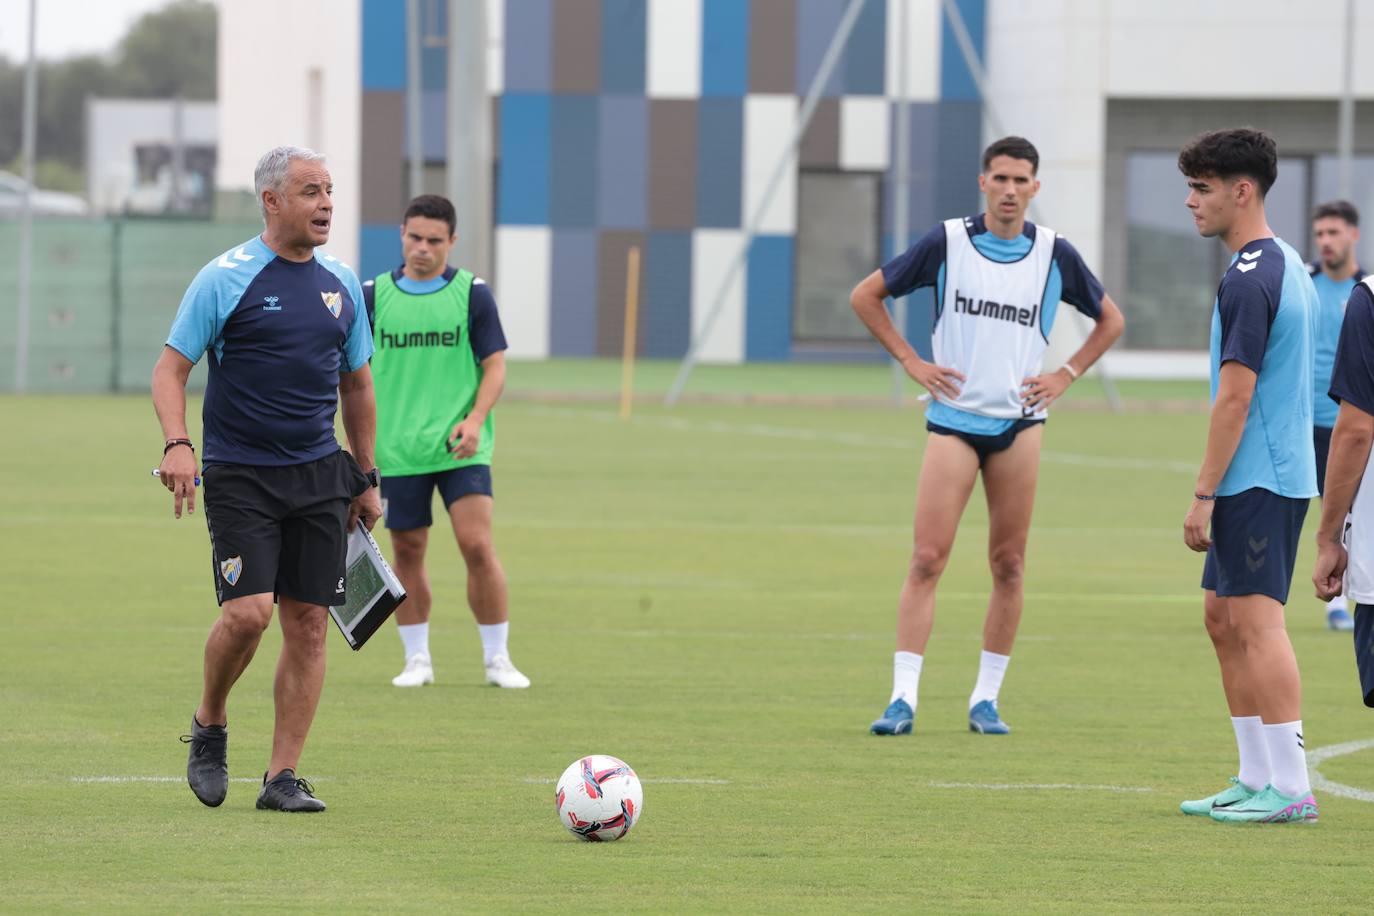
[279,333]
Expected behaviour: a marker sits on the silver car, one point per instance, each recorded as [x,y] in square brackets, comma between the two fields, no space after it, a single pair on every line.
[45,203]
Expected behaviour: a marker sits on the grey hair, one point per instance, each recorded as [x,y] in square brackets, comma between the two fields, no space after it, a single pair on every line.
[271,169]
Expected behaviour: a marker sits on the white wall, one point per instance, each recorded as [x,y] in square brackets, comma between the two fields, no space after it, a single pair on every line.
[115,127]
[267,52]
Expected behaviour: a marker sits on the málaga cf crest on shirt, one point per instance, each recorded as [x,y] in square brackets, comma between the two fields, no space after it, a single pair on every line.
[333,302]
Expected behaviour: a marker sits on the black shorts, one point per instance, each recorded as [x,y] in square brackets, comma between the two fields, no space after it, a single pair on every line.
[1321,439]
[406,500]
[1254,544]
[986,445]
[281,529]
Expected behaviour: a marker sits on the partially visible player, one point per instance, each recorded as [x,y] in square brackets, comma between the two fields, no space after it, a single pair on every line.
[1336,230]
[998,282]
[439,369]
[1258,473]
[1350,482]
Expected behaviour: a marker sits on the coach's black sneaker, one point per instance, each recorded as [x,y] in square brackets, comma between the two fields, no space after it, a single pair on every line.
[207,766]
[284,792]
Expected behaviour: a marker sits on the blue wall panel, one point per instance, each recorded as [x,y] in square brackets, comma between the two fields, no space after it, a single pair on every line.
[768,299]
[379,249]
[958,158]
[572,316]
[433,59]
[524,183]
[624,25]
[572,167]
[529,45]
[924,142]
[724,47]
[665,327]
[384,45]
[817,22]
[622,162]
[956,83]
[865,58]
[720,150]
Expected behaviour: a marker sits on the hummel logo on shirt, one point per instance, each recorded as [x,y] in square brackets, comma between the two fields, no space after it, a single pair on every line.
[269,303]
[1248,259]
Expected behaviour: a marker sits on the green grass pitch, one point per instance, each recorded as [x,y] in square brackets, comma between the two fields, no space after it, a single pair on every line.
[708,593]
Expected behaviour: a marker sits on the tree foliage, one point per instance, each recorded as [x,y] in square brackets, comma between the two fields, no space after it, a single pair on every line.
[166,52]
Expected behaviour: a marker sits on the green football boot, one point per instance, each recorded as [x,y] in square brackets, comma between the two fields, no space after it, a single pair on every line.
[1229,797]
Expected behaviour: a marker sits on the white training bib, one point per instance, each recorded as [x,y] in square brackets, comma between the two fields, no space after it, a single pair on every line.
[1359,532]
[990,325]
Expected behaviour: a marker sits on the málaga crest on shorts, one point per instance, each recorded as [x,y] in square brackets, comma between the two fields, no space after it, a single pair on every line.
[333,302]
[230,569]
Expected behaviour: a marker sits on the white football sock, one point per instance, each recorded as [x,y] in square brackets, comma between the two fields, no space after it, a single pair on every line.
[1287,758]
[415,638]
[493,640]
[906,677]
[991,669]
[1254,751]
[1336,604]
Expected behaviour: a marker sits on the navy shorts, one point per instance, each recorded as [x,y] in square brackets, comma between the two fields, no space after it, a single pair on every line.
[406,500]
[1321,438]
[1254,544]
[1364,650]
[985,445]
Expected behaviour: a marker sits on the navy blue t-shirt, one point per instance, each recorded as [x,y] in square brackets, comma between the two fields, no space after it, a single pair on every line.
[279,333]
[1352,375]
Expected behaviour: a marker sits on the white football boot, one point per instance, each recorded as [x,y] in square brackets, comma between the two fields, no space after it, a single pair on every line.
[502,673]
[419,670]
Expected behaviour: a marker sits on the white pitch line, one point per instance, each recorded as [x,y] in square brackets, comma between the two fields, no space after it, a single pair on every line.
[857,439]
[659,781]
[163,779]
[1323,754]
[1055,786]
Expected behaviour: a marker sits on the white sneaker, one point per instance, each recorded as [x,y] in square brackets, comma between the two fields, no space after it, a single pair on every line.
[418,672]
[502,673]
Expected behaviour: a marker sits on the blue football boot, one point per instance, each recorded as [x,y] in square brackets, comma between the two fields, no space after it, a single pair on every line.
[897,719]
[984,720]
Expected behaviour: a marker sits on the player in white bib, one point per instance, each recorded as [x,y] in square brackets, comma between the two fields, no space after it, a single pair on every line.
[998,282]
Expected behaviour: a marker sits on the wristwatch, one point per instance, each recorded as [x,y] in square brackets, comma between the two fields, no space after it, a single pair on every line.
[373,478]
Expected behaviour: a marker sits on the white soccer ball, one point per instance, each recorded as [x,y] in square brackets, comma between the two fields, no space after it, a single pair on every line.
[599,798]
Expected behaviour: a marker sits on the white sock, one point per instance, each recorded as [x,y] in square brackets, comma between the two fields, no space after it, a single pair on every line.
[991,669]
[415,638]
[906,677]
[493,640]
[1254,751]
[1336,604]
[1287,758]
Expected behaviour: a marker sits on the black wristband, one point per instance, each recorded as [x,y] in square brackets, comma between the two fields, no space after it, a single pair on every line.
[1206,499]
[173,443]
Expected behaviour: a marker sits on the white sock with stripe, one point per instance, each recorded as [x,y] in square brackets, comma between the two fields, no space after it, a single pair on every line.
[1287,758]
[906,677]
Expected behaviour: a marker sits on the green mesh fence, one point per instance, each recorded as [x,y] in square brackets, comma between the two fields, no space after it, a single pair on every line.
[102,297]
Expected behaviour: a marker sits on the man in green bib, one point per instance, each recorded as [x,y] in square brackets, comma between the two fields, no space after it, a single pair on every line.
[438,369]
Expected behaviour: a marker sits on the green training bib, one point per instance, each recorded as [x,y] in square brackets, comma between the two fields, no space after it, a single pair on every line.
[426,377]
